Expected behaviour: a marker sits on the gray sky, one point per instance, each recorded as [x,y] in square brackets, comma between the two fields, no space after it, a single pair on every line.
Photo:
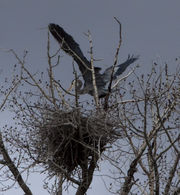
[150,29]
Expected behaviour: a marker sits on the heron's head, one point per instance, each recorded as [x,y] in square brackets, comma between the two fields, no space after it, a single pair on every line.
[77,83]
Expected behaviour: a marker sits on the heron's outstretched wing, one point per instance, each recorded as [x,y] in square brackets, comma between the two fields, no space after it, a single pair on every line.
[119,69]
[71,47]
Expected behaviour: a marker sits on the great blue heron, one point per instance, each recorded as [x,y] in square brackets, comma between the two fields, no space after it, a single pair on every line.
[72,48]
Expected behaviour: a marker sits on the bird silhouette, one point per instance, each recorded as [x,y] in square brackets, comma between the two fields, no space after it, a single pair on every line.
[72,48]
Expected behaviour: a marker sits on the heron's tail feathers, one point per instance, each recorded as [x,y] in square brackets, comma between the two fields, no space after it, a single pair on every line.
[122,67]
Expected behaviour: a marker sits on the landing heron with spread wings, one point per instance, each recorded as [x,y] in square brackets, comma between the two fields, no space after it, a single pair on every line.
[102,79]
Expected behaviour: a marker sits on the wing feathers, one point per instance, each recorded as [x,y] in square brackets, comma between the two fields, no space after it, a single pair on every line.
[70,46]
[122,67]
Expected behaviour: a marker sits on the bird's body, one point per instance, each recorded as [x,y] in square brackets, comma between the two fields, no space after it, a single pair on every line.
[72,48]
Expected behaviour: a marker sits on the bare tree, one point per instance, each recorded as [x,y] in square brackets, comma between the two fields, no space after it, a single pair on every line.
[57,134]
[9,166]
[147,159]
[135,129]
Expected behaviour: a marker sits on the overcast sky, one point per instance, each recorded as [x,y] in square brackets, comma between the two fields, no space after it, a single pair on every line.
[150,29]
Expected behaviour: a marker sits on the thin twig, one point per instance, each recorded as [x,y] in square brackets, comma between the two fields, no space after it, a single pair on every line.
[66,91]
[114,64]
[93,71]
[76,91]
[50,72]
[30,75]
[120,79]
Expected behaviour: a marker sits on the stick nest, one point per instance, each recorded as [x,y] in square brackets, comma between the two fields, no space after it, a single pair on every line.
[66,140]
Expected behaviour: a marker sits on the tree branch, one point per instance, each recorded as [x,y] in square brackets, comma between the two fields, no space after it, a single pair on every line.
[171,174]
[114,64]
[13,168]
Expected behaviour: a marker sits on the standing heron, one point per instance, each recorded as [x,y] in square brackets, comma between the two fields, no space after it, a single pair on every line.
[72,48]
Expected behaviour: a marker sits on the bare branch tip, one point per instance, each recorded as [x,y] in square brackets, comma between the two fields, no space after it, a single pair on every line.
[117,21]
